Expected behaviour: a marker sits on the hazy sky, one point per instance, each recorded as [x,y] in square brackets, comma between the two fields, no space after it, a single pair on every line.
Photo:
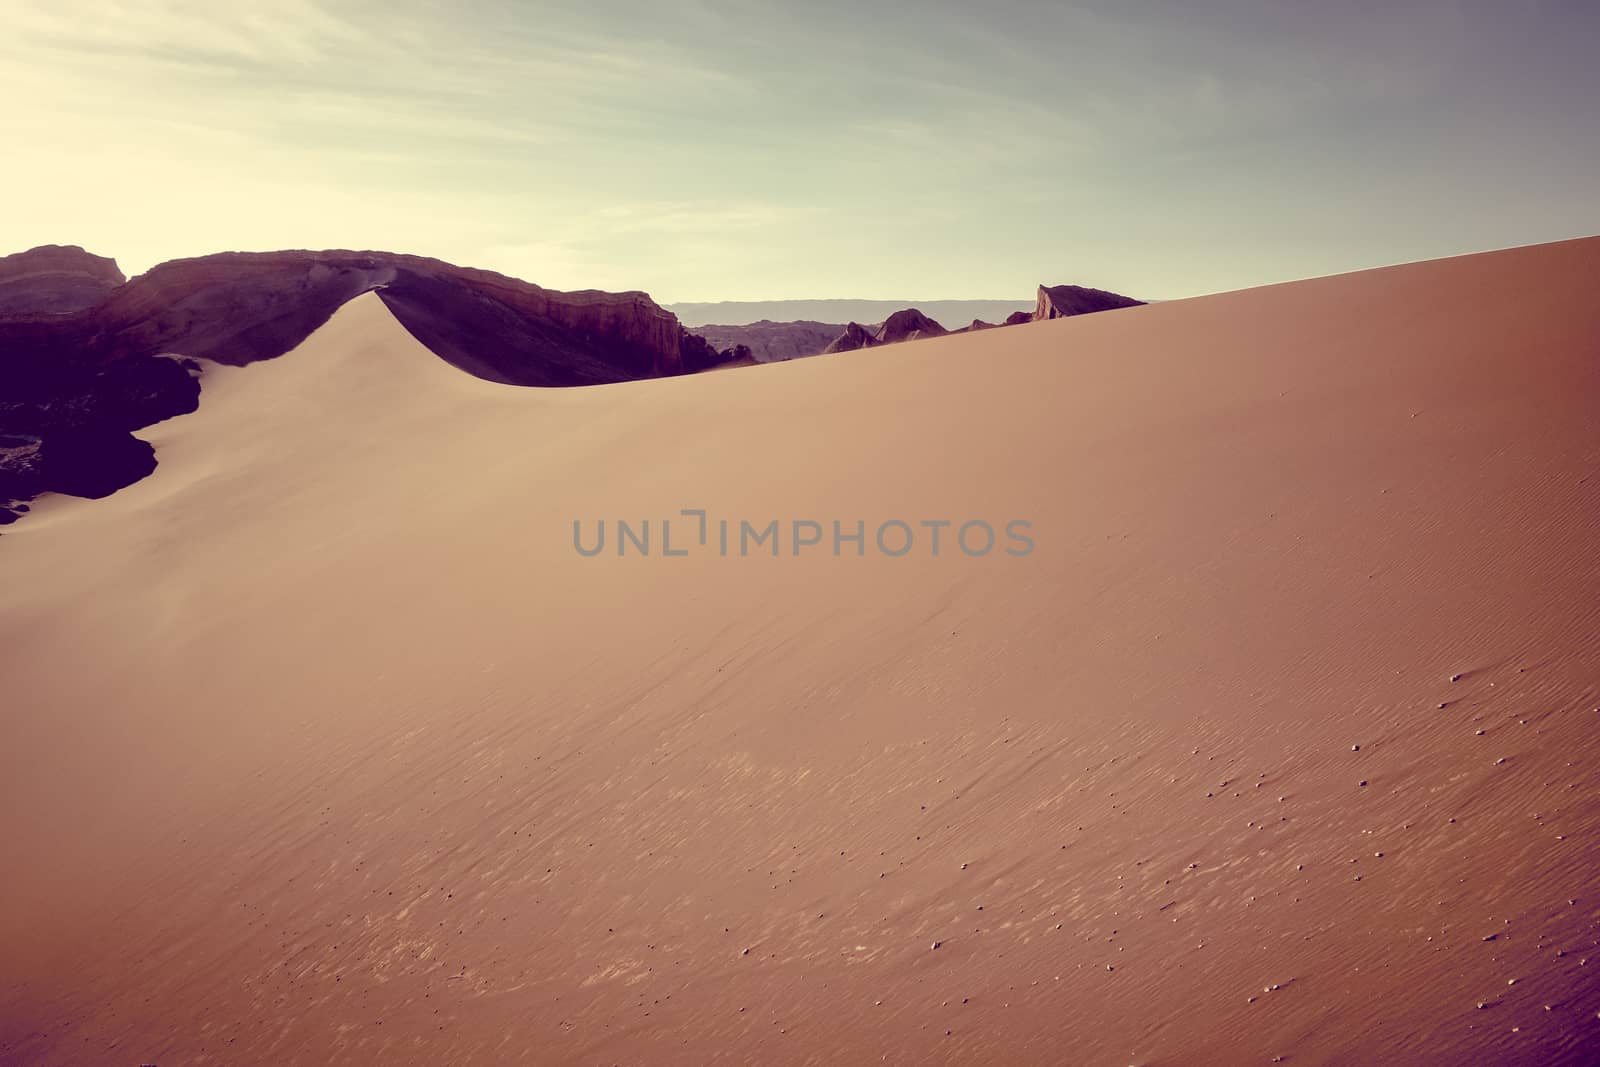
[715,149]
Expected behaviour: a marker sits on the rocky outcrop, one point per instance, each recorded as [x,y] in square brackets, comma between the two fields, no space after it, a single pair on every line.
[855,336]
[1062,301]
[1017,318]
[774,342]
[975,326]
[54,280]
[42,396]
[93,462]
[66,424]
[698,354]
[908,325]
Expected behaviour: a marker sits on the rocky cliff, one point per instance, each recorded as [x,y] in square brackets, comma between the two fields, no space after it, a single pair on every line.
[55,280]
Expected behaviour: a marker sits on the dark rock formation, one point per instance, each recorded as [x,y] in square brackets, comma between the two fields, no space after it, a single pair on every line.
[908,325]
[90,462]
[42,396]
[773,342]
[55,280]
[65,423]
[696,354]
[21,474]
[854,336]
[1017,318]
[1061,301]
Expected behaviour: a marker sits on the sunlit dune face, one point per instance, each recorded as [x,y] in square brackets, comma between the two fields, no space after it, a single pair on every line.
[326,744]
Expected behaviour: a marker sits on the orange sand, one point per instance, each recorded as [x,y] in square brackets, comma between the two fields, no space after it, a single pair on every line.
[322,745]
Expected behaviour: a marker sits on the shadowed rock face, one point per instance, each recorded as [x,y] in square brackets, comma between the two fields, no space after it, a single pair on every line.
[774,342]
[55,280]
[855,336]
[529,336]
[1061,301]
[91,462]
[65,424]
[42,395]
[908,325]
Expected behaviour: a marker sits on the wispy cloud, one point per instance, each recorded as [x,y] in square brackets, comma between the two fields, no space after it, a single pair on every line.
[719,148]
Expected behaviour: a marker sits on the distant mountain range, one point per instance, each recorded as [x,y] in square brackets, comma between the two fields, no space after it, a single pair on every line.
[742,312]
[767,341]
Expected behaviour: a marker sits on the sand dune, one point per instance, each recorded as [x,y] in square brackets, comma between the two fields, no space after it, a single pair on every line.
[323,746]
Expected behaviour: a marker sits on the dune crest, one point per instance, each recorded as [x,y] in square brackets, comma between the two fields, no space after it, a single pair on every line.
[84,354]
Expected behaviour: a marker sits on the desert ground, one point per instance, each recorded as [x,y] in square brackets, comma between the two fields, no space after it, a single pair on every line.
[322,744]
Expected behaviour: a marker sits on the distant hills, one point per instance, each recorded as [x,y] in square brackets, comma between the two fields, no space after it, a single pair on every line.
[740,312]
[767,341]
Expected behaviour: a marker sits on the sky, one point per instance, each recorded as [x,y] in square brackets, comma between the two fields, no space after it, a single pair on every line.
[726,150]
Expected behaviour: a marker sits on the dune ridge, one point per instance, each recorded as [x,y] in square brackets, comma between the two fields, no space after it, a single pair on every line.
[84,352]
[331,750]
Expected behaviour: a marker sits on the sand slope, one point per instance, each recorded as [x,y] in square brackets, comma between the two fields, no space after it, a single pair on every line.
[321,745]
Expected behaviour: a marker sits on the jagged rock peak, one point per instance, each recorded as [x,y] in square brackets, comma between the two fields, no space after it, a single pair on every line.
[1061,301]
[855,336]
[902,325]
